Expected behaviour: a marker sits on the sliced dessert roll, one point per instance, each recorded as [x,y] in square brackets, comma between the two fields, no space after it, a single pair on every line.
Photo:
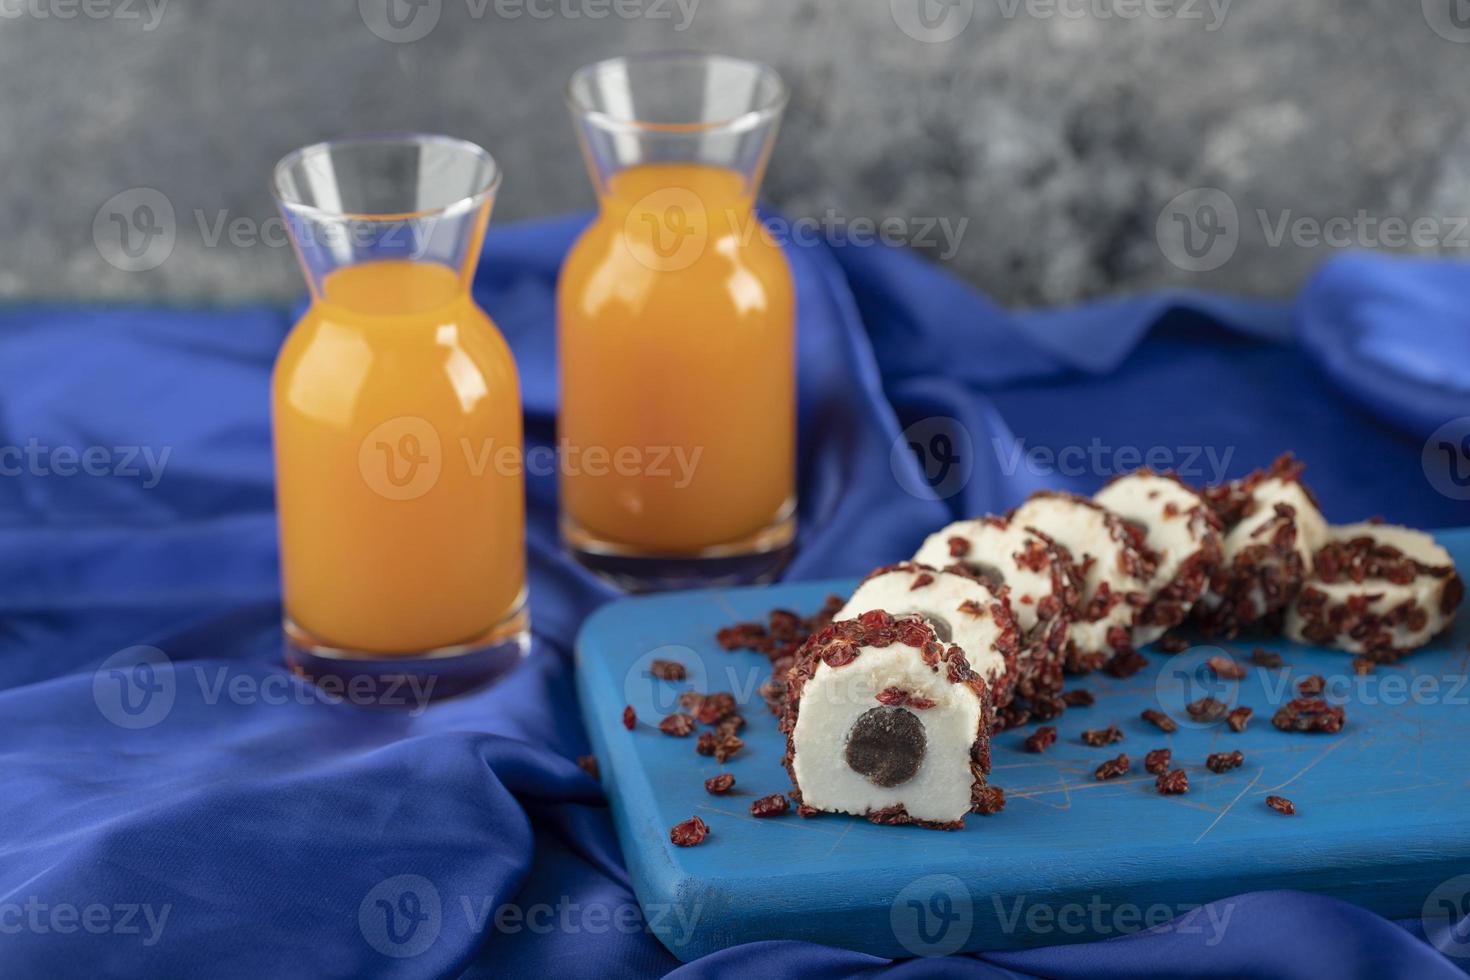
[1181,530]
[1272,529]
[886,721]
[1038,577]
[963,611]
[1115,565]
[1379,590]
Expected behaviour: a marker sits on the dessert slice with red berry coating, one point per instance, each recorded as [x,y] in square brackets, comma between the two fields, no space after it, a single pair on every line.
[964,611]
[1116,567]
[1376,589]
[1181,529]
[854,746]
[1038,578]
[1272,529]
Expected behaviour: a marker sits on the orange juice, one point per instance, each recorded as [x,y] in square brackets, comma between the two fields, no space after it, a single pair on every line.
[402,526]
[677,348]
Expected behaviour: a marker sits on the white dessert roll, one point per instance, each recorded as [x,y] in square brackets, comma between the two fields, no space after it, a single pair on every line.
[1183,533]
[1115,567]
[963,611]
[1041,582]
[1379,590]
[1273,528]
[885,721]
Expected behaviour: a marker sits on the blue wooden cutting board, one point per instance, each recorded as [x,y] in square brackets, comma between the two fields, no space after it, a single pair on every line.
[1383,807]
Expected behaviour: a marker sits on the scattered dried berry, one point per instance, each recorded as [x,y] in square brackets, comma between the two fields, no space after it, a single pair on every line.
[667,670]
[1281,805]
[1225,667]
[1313,686]
[1047,708]
[630,717]
[1041,739]
[1078,699]
[1224,761]
[1173,643]
[1113,768]
[588,764]
[1265,658]
[726,746]
[1157,761]
[1160,720]
[677,725]
[1239,718]
[689,833]
[770,806]
[1309,715]
[1172,783]
[806,812]
[715,707]
[705,744]
[729,725]
[1206,709]
[719,785]
[1126,664]
[1363,666]
[1103,736]
[988,801]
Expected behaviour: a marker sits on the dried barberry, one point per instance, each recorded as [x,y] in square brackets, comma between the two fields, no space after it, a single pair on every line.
[588,764]
[705,744]
[1047,708]
[1113,768]
[719,785]
[1309,715]
[1265,658]
[988,800]
[1173,643]
[1363,666]
[726,746]
[1281,805]
[677,724]
[1157,761]
[1103,736]
[770,806]
[805,811]
[667,670]
[714,707]
[1160,720]
[630,717]
[1239,718]
[1041,739]
[1313,686]
[1226,668]
[1078,699]
[1206,709]
[1126,663]
[1224,761]
[689,833]
[1172,783]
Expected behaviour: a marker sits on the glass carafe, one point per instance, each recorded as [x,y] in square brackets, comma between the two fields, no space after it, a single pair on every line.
[676,328]
[397,420]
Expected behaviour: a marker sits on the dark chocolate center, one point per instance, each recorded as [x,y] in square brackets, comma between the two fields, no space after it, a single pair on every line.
[886,746]
[988,574]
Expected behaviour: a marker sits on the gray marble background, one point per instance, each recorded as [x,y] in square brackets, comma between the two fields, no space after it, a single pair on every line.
[1035,146]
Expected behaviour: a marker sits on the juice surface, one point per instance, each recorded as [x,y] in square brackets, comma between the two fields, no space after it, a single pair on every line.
[677,347]
[402,513]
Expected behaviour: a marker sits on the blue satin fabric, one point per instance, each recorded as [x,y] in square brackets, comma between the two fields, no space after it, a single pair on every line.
[246,831]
